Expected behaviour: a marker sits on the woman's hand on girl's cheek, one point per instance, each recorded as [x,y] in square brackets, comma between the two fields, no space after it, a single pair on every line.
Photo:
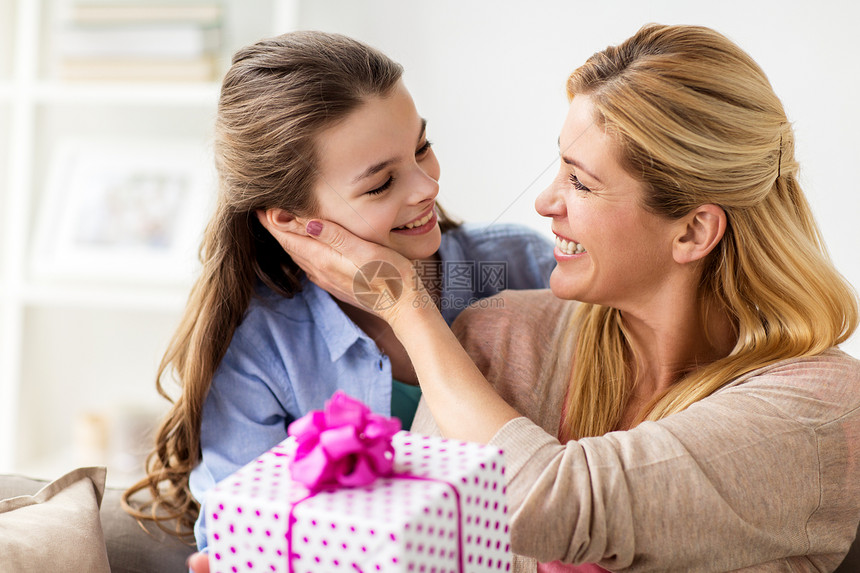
[353,270]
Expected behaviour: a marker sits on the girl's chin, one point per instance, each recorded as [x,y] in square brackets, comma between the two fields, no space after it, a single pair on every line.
[420,246]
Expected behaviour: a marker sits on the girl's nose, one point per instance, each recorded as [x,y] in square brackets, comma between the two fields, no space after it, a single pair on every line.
[424,186]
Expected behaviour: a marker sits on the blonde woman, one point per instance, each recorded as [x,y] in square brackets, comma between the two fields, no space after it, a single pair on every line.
[677,402]
[309,124]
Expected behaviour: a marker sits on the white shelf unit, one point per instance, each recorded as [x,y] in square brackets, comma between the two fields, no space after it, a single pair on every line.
[72,347]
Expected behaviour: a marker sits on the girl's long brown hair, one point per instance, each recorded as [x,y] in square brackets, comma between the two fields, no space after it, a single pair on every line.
[696,120]
[277,96]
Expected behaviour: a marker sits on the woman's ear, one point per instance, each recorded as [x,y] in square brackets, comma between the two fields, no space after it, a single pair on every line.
[701,230]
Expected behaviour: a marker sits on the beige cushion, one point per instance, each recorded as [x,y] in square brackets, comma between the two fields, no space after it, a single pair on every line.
[58,526]
[131,548]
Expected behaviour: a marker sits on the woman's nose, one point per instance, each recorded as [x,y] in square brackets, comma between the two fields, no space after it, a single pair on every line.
[549,201]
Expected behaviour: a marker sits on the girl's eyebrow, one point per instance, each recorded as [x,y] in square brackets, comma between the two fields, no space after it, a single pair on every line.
[373,170]
[377,167]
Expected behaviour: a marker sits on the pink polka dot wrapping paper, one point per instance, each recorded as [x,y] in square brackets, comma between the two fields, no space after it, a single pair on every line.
[443,494]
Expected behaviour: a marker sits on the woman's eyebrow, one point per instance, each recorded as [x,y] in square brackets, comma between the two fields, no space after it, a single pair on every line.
[422,130]
[377,167]
[578,165]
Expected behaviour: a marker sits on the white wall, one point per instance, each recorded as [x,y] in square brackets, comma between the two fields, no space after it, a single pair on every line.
[489,76]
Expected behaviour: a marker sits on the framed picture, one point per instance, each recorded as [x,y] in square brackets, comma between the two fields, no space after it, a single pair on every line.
[124,210]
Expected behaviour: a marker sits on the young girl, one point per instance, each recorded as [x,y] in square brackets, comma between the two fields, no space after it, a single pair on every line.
[310,125]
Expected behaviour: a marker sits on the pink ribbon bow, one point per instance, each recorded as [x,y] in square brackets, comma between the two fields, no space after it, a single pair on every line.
[344,445]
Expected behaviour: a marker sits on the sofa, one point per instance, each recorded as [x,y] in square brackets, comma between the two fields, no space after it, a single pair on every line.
[79,525]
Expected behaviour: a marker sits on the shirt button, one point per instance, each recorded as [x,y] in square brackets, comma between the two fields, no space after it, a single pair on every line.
[380,364]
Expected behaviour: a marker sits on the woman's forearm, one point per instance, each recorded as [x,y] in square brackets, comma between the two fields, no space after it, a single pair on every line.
[461,400]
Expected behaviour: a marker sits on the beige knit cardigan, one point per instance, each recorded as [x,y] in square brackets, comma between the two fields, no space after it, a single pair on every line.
[763,475]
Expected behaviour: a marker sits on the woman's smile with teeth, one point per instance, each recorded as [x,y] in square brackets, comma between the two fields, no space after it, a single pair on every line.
[568,247]
[418,222]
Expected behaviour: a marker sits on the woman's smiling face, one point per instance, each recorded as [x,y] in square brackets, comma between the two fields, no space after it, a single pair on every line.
[378,176]
[610,249]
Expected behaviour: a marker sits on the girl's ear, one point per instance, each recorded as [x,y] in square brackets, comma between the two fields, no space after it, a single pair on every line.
[277,220]
[701,230]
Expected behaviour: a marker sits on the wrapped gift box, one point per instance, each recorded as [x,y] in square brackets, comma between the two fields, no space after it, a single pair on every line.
[442,510]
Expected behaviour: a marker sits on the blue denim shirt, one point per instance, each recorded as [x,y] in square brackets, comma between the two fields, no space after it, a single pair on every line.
[289,355]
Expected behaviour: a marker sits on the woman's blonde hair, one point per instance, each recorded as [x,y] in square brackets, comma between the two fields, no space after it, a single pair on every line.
[697,121]
[276,98]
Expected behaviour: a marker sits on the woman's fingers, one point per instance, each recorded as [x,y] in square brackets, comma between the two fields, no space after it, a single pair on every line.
[347,244]
[356,271]
[351,269]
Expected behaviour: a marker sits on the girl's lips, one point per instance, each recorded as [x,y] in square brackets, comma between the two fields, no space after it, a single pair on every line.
[425,228]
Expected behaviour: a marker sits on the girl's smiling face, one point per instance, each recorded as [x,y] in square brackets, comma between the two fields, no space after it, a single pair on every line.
[610,249]
[378,176]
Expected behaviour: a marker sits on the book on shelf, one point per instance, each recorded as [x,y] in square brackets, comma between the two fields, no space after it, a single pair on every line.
[153,41]
[112,12]
[122,40]
[201,69]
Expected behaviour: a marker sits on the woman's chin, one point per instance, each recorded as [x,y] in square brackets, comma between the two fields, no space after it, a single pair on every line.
[561,286]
